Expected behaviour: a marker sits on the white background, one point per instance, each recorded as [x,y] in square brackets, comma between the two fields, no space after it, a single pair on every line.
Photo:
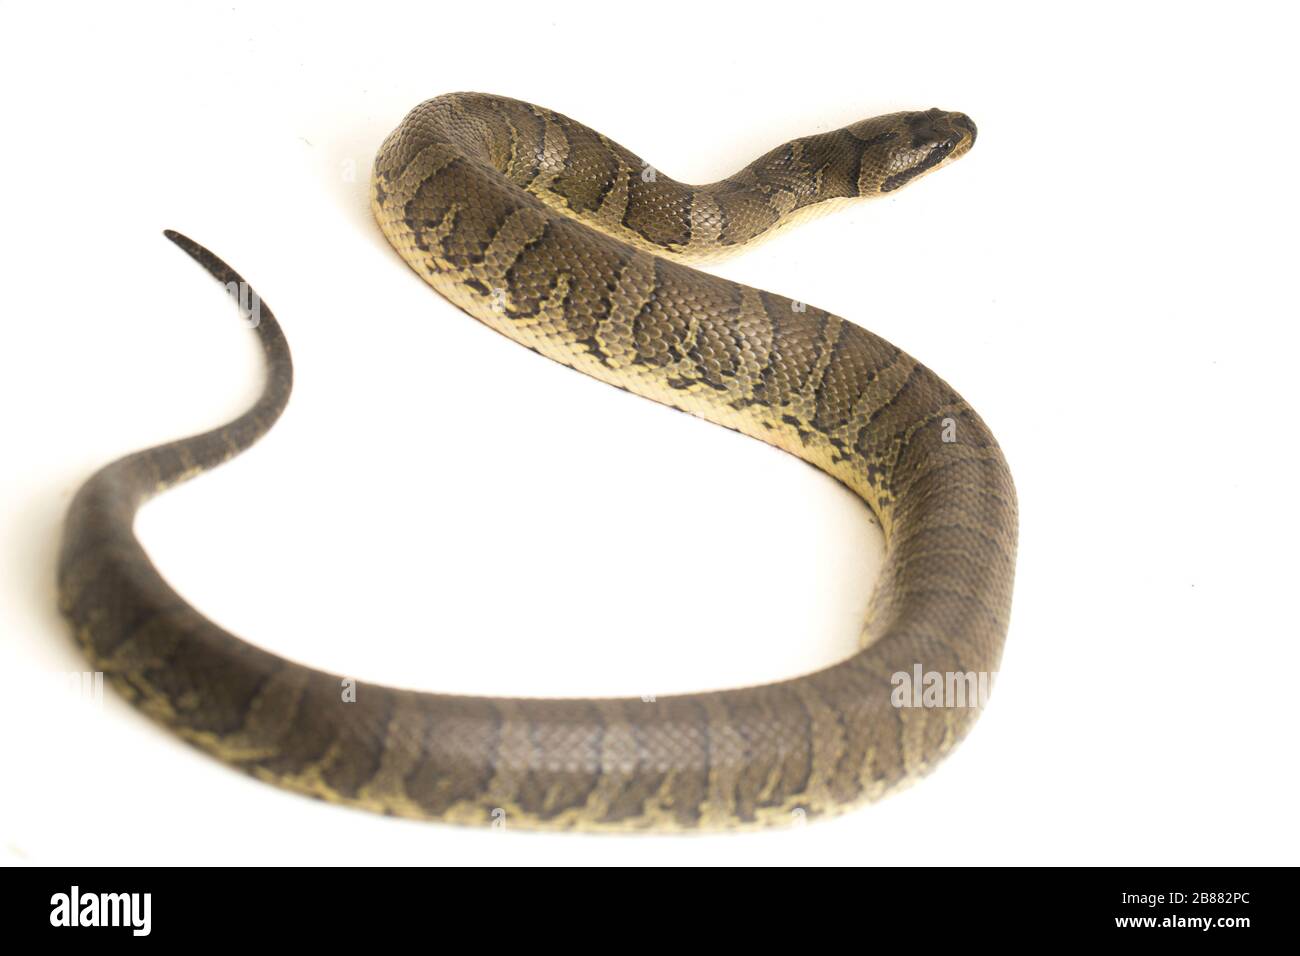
[1109,277]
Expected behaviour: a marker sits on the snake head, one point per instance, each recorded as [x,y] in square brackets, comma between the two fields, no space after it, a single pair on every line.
[901,147]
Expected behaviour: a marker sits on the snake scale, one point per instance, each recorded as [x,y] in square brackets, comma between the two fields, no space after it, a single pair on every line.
[571,245]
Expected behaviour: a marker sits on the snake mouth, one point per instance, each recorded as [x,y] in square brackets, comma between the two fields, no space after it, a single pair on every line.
[964,130]
[964,123]
[960,138]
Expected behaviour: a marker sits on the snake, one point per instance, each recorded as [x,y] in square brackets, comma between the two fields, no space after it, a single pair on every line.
[566,242]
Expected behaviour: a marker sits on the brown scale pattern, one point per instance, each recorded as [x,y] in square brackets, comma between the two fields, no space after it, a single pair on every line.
[555,236]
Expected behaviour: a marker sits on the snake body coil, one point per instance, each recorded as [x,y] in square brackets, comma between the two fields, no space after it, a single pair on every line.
[566,242]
